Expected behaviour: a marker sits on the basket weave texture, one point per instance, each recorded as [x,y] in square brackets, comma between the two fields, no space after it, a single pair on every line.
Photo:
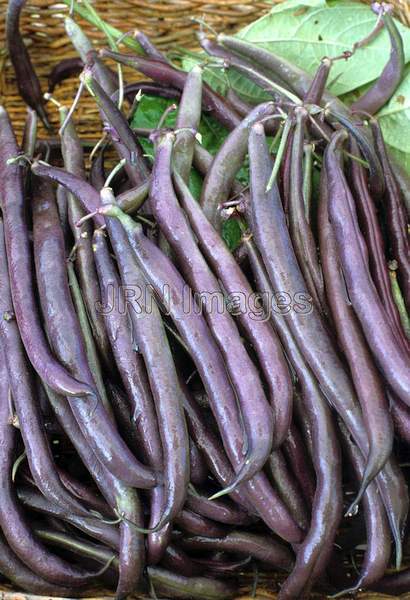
[168,23]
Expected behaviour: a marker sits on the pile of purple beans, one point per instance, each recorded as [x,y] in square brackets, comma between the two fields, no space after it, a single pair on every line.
[174,415]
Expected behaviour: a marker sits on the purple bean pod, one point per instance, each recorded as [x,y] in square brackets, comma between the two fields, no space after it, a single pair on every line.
[19,258]
[256,415]
[367,381]
[259,332]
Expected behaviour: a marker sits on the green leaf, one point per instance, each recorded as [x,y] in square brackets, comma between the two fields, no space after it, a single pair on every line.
[148,114]
[299,5]
[232,233]
[402,158]
[394,117]
[305,36]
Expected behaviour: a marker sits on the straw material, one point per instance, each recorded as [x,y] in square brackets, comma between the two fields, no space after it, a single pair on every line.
[168,23]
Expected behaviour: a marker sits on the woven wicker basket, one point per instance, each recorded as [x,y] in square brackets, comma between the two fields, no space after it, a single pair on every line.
[167,22]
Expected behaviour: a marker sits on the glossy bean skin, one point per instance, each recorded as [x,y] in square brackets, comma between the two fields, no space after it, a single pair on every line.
[158,270]
[366,379]
[176,560]
[106,534]
[123,500]
[121,134]
[60,316]
[19,257]
[378,544]
[392,360]
[199,469]
[166,75]
[20,378]
[149,48]
[26,78]
[262,547]
[22,577]
[368,220]
[226,164]
[74,163]
[188,119]
[288,488]
[66,68]
[129,362]
[258,331]
[301,234]
[218,510]
[13,522]
[195,524]
[396,583]
[268,225]
[178,586]
[256,415]
[150,338]
[389,79]
[295,453]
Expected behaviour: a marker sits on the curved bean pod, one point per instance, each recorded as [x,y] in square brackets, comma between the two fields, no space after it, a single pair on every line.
[256,415]
[366,379]
[260,334]
[66,68]
[19,258]
[178,586]
[392,360]
[60,316]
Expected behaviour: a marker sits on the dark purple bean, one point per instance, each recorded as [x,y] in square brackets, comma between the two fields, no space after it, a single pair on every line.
[378,545]
[199,470]
[60,316]
[188,119]
[22,577]
[158,541]
[400,413]
[262,547]
[218,510]
[389,79]
[152,343]
[391,359]
[19,258]
[304,243]
[366,379]
[394,583]
[288,488]
[395,216]
[79,489]
[26,78]
[194,524]
[149,47]
[12,519]
[124,501]
[24,394]
[372,233]
[168,76]
[121,134]
[317,88]
[200,588]
[227,162]
[84,262]
[297,79]
[160,272]
[129,362]
[259,333]
[242,107]
[97,174]
[66,68]
[29,141]
[176,560]
[256,415]
[295,452]
[271,235]
[107,534]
